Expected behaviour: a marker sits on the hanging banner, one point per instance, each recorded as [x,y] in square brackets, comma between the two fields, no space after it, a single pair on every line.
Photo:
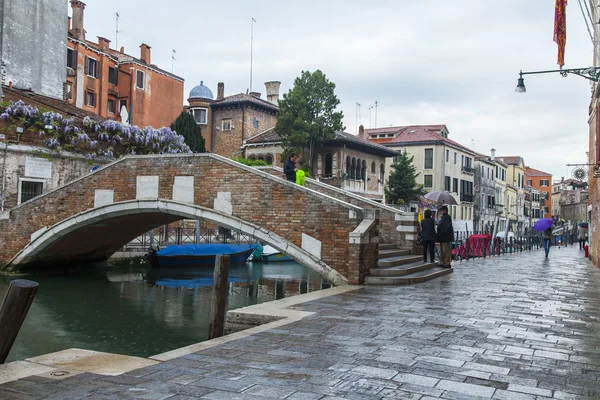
[560,29]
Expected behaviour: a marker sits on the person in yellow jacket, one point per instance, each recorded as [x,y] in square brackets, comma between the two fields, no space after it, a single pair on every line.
[300,175]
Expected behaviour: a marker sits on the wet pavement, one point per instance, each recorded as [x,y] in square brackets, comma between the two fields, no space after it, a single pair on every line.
[511,327]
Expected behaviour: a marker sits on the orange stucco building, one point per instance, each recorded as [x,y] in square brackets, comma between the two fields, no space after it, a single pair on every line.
[543,182]
[107,82]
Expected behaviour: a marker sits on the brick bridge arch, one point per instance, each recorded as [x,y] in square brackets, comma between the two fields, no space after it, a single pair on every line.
[341,235]
[96,234]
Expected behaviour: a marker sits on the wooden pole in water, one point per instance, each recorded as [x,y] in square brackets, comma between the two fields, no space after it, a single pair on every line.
[13,311]
[219,297]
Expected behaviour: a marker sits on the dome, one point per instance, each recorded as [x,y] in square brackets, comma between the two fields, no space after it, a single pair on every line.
[201,92]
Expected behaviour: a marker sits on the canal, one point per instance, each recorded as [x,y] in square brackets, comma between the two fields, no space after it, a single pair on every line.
[136,310]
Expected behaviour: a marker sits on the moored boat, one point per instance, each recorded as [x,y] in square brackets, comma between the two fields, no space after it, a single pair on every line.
[198,254]
[268,253]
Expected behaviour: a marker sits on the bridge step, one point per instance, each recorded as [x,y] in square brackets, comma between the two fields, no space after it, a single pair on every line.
[402,270]
[390,262]
[392,253]
[388,246]
[416,277]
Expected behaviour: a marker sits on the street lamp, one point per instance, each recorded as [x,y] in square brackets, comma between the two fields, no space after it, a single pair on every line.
[590,73]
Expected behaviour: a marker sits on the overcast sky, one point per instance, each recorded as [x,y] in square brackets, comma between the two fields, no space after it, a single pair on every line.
[424,61]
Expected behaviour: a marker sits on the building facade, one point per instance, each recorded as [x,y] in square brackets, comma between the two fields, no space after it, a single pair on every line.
[115,85]
[346,162]
[443,164]
[543,182]
[500,188]
[516,178]
[562,193]
[228,121]
[32,45]
[484,215]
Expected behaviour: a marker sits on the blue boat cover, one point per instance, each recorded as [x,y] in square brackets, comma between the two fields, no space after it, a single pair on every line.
[205,249]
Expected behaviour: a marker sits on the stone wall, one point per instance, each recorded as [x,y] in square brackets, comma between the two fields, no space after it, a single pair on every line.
[253,196]
[33,45]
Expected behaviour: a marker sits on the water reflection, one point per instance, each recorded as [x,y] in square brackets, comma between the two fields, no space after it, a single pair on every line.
[141,311]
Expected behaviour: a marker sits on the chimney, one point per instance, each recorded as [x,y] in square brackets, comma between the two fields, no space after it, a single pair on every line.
[361,130]
[562,178]
[77,22]
[493,151]
[273,92]
[104,43]
[145,53]
[220,91]
[255,94]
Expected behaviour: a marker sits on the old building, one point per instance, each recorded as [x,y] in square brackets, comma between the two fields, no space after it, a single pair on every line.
[567,195]
[516,178]
[500,188]
[484,214]
[442,163]
[32,45]
[227,121]
[543,182]
[346,162]
[108,81]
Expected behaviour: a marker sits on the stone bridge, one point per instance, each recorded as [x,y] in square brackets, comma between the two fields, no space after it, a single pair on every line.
[89,219]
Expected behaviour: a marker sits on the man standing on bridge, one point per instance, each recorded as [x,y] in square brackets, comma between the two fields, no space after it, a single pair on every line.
[445,235]
[289,168]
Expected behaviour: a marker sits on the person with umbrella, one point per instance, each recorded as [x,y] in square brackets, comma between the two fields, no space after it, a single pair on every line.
[545,225]
[445,235]
[428,236]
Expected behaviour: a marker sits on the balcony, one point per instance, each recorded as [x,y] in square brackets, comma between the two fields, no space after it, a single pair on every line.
[467,170]
[466,197]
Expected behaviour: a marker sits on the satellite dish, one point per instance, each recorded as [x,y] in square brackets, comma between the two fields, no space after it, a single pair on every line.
[124,116]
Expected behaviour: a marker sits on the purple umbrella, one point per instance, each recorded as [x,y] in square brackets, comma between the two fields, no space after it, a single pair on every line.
[543,224]
[441,197]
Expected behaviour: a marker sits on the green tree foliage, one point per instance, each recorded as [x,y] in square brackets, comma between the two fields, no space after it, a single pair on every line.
[402,185]
[307,114]
[251,163]
[186,126]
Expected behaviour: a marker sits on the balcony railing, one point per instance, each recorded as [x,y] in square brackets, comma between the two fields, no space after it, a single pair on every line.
[466,197]
[467,170]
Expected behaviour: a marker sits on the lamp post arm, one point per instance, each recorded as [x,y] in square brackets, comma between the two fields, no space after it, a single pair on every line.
[590,73]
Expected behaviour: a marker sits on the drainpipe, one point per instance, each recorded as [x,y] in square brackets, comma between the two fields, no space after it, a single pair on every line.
[131,74]
[3,175]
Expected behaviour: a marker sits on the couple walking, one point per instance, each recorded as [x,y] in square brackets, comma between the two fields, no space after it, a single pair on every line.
[444,235]
[292,173]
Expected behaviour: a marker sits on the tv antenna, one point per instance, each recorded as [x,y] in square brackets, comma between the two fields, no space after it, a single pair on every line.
[251,49]
[370,108]
[117,16]
[375,114]
[173,59]
[357,116]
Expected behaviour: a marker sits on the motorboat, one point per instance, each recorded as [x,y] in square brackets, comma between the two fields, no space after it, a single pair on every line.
[193,255]
[268,253]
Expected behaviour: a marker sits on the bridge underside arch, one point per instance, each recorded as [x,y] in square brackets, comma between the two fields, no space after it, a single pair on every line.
[95,235]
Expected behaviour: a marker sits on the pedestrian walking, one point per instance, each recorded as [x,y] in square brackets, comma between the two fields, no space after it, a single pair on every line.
[289,168]
[445,235]
[547,235]
[581,236]
[428,236]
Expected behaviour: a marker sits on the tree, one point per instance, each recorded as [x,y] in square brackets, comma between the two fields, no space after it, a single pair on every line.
[307,114]
[186,126]
[402,185]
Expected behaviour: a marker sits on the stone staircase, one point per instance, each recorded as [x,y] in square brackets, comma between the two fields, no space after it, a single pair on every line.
[398,267]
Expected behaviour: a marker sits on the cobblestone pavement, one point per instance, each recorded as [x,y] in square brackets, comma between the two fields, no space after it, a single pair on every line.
[511,327]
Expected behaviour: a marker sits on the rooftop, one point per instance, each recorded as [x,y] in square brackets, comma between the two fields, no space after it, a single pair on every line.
[245,98]
[412,134]
[511,160]
[535,172]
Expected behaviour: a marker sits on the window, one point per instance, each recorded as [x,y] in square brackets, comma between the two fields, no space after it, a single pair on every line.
[489,201]
[110,106]
[428,158]
[139,81]
[428,181]
[226,124]
[255,122]
[69,91]
[30,189]
[447,183]
[546,210]
[447,155]
[90,99]
[496,172]
[529,182]
[455,155]
[91,67]
[373,167]
[462,161]
[329,164]
[200,115]
[269,159]
[113,75]
[71,59]
[122,103]
[455,185]
[544,182]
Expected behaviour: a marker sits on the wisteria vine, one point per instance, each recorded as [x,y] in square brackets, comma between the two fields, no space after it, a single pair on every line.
[106,139]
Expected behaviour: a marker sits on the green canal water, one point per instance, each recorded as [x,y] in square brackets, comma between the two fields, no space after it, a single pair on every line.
[135,310]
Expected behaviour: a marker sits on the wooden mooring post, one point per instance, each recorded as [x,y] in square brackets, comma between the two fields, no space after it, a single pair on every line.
[219,297]
[13,311]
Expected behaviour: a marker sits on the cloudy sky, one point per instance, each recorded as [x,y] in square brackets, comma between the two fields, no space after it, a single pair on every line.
[423,61]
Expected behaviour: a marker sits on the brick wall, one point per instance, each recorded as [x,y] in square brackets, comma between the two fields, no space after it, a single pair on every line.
[273,204]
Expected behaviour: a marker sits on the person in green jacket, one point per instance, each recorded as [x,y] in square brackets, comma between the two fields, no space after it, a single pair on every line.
[445,236]
[300,174]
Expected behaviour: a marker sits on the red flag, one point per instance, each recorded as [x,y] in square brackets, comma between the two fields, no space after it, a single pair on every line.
[560,29]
